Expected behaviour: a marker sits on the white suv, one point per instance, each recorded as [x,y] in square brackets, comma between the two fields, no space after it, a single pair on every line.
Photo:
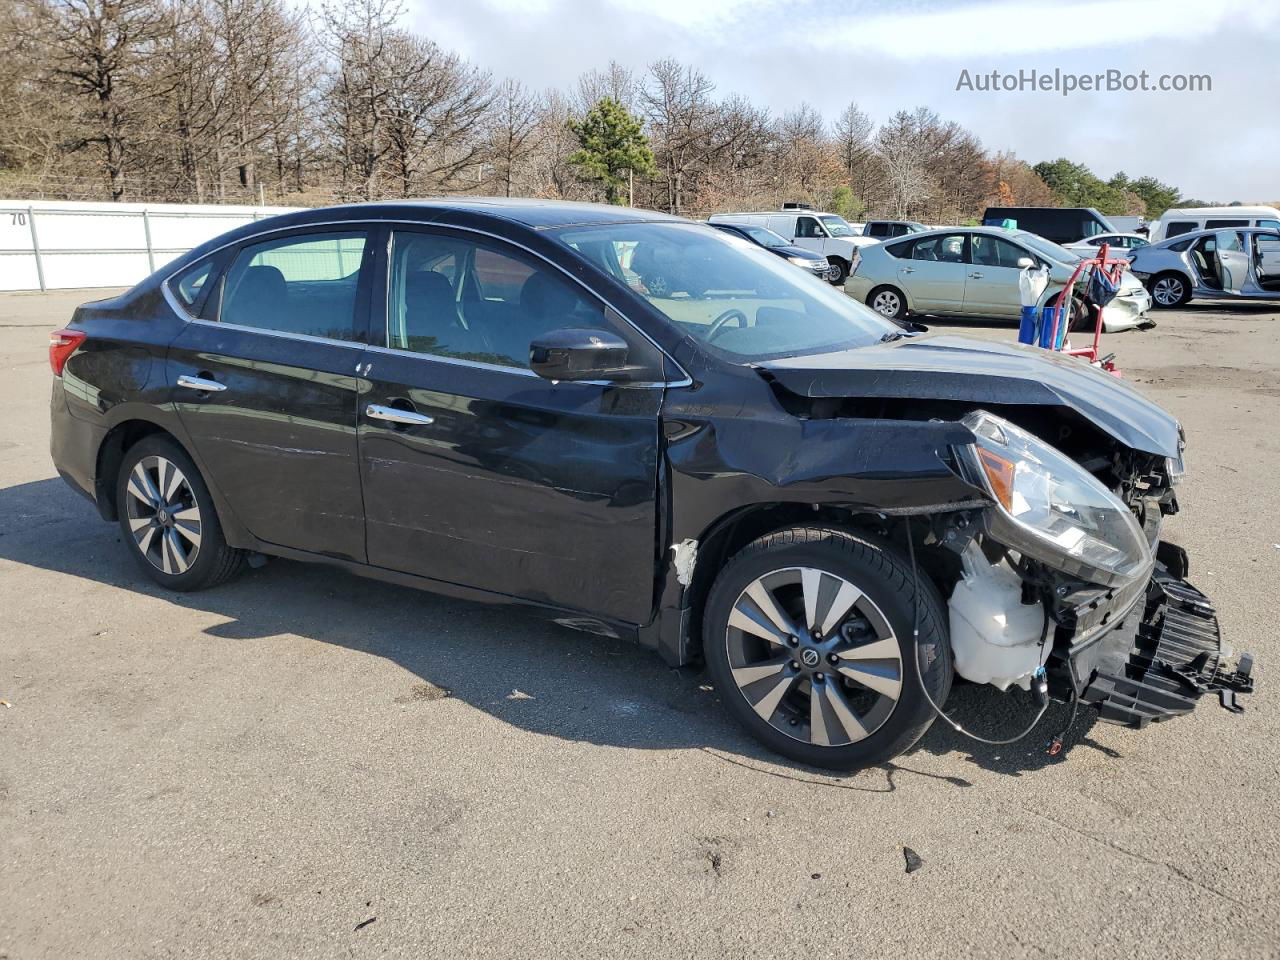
[824,233]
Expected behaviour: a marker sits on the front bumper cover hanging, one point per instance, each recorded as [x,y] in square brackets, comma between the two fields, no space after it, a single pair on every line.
[1175,655]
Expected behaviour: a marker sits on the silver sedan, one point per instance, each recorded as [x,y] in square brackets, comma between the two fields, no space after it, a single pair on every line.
[973,271]
[1242,263]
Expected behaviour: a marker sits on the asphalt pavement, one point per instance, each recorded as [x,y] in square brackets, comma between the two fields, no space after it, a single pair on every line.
[303,763]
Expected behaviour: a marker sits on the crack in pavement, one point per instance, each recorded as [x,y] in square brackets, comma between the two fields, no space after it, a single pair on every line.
[1112,845]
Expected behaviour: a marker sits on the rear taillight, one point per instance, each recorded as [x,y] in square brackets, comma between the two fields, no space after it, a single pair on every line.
[62,344]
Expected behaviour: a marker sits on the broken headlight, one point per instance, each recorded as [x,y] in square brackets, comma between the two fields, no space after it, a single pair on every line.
[1051,509]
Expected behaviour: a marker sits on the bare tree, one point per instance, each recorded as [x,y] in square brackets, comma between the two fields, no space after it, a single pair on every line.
[615,82]
[902,147]
[513,131]
[853,130]
[102,54]
[677,100]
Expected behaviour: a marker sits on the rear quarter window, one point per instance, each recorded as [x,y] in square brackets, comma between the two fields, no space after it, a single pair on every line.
[900,250]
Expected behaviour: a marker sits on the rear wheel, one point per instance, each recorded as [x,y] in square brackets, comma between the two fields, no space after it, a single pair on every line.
[1170,290]
[888,302]
[168,519]
[808,636]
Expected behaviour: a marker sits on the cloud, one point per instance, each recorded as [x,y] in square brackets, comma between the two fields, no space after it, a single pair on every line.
[1217,145]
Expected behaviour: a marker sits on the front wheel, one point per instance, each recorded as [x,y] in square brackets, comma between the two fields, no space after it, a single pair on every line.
[807,633]
[168,519]
[837,271]
[1170,290]
[888,302]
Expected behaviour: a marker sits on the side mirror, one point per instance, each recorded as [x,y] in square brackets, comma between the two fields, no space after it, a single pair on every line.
[577,355]
[1025,262]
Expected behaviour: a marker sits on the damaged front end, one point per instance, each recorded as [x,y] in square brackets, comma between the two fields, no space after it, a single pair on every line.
[1065,574]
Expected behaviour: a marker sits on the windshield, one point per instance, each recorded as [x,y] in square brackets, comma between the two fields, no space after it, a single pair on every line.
[766,238]
[742,302]
[837,226]
[1047,248]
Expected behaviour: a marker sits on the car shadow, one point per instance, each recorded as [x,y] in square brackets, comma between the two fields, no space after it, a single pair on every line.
[582,687]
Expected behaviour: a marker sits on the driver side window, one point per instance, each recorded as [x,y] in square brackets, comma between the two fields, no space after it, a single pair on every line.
[807,228]
[451,296]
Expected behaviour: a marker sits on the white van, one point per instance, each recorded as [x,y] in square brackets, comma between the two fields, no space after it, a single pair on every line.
[824,233]
[1189,219]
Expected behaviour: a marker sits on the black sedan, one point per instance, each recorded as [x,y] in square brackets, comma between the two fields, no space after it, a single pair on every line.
[777,245]
[474,397]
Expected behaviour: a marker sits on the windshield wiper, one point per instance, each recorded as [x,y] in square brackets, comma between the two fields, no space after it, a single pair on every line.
[895,335]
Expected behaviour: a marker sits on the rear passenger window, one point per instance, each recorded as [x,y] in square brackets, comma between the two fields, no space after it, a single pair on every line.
[480,301]
[299,285]
[1219,224]
[946,248]
[190,285]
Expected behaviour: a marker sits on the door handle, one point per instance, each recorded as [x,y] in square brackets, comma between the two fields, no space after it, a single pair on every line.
[408,418]
[975,276]
[908,269]
[201,384]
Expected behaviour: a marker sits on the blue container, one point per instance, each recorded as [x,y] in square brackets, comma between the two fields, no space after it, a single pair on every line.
[1027,327]
[1046,337]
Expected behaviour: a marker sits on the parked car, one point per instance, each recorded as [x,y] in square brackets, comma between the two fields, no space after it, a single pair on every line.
[1224,264]
[973,271]
[824,233]
[1061,225]
[887,229]
[470,397]
[806,260]
[1120,244]
[1174,223]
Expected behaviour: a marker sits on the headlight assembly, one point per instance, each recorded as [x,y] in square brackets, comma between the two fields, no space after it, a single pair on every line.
[802,262]
[1050,508]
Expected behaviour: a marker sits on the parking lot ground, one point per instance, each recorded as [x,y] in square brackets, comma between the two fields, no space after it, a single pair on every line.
[302,763]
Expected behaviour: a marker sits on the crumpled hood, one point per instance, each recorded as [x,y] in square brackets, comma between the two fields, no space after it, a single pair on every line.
[950,367]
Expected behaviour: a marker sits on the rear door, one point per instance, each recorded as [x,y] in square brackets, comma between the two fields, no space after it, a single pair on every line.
[265,384]
[991,286]
[934,276]
[1233,261]
[478,472]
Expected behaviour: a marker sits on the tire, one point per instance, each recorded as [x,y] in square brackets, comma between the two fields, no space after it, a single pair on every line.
[1083,317]
[872,640]
[1170,289]
[840,271]
[169,522]
[889,302]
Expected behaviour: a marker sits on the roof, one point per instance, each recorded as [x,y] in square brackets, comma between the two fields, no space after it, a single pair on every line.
[1220,212]
[797,212]
[537,214]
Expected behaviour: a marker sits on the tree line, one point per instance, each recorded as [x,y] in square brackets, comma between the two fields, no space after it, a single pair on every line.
[242,100]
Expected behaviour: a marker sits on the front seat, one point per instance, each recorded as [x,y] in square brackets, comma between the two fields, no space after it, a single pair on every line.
[261,299]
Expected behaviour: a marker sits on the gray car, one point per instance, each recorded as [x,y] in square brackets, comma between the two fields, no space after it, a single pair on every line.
[973,271]
[1243,263]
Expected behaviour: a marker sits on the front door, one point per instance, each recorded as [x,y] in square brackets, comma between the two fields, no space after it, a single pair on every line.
[991,286]
[266,388]
[934,276]
[478,472]
[811,235]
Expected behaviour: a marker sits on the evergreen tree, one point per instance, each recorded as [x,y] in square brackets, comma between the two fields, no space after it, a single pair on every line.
[613,146]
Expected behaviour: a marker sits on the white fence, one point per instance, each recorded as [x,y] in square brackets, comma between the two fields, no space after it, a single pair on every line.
[53,245]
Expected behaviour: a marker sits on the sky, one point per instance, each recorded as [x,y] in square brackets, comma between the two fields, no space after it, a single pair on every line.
[1217,145]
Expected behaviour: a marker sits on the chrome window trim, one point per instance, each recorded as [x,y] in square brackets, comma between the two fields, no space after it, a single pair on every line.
[683,381]
[281,334]
[524,371]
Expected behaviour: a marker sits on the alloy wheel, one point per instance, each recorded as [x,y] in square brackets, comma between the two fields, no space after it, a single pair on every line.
[814,656]
[164,516]
[886,303]
[1168,291]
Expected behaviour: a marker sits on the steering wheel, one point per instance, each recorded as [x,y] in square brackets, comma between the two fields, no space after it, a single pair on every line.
[718,324]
